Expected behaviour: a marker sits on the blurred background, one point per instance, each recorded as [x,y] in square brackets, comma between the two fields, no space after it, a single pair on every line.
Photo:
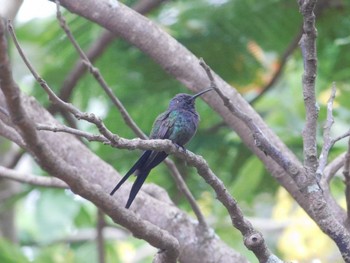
[251,44]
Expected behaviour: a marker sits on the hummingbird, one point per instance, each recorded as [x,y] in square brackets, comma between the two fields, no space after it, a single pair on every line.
[178,124]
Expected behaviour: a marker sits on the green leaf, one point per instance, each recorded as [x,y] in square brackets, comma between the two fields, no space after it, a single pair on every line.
[10,253]
[248,180]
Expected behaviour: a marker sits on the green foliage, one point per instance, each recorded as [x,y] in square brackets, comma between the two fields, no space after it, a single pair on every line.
[10,253]
[248,180]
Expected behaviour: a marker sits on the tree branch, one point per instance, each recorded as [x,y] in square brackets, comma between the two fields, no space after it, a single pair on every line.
[100,237]
[327,140]
[346,173]
[308,49]
[332,168]
[31,179]
[181,185]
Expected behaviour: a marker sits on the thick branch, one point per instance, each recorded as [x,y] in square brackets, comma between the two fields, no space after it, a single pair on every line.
[308,48]
[346,173]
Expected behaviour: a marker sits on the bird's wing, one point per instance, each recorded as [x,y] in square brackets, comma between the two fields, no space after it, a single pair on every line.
[136,166]
[162,128]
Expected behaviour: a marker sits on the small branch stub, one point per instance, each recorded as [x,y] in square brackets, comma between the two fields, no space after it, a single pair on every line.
[254,240]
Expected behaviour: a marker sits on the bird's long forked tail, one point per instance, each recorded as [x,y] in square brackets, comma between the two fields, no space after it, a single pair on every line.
[139,163]
[140,179]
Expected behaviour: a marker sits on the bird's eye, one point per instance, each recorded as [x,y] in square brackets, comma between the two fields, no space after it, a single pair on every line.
[177,101]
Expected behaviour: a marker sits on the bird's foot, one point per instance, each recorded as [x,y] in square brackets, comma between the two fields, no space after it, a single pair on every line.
[178,146]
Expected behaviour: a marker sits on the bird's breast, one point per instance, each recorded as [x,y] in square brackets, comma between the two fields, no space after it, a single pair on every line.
[185,126]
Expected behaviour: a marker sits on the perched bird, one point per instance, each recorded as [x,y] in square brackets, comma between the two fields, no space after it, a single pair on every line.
[178,124]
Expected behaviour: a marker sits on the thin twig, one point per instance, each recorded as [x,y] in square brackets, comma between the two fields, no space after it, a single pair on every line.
[122,143]
[96,49]
[10,133]
[327,140]
[90,137]
[128,119]
[332,168]
[340,137]
[100,237]
[55,99]
[181,185]
[32,179]
[4,111]
[95,72]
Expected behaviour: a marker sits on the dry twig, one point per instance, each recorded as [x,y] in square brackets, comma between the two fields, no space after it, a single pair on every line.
[346,173]
[327,141]
[32,179]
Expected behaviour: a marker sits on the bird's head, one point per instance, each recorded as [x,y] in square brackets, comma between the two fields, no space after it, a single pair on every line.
[185,101]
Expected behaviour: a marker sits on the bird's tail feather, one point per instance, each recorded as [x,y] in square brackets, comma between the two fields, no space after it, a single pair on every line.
[140,179]
[139,163]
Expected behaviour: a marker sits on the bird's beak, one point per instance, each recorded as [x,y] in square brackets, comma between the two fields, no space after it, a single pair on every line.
[201,93]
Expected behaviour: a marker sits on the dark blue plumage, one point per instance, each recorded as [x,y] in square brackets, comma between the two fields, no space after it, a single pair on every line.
[178,124]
